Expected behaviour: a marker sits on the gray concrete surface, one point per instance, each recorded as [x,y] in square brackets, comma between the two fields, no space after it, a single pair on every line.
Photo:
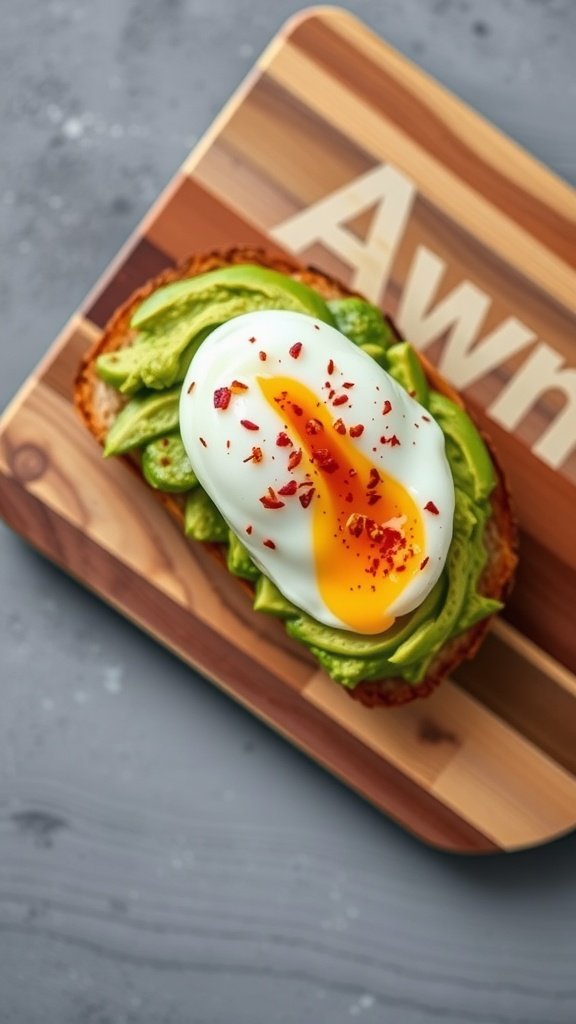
[163,857]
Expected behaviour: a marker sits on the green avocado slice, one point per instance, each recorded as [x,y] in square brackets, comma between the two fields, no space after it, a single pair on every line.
[469,459]
[406,368]
[202,520]
[338,641]
[144,418]
[166,466]
[238,560]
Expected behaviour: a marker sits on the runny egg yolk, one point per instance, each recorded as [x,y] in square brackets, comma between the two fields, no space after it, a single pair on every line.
[367,531]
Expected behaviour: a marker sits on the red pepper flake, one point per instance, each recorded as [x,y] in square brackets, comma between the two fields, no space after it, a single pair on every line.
[191,388]
[228,443]
[373,498]
[316,327]
[349,498]
[353,472]
[290,488]
[294,459]
[357,430]
[330,367]
[237,387]
[375,531]
[412,393]
[348,385]
[339,427]
[400,568]
[269,544]
[374,480]
[340,400]
[393,441]
[314,426]
[252,340]
[262,356]
[387,407]
[425,562]
[222,398]
[431,507]
[270,500]
[426,418]
[249,529]
[295,350]
[165,442]
[297,409]
[256,456]
[325,461]
[249,425]
[283,441]
[202,441]
[306,498]
[355,524]
[331,394]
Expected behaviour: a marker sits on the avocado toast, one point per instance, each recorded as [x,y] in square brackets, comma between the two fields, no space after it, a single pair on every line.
[128,391]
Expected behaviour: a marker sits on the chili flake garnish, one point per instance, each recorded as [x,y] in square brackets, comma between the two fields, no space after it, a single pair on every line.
[426,418]
[355,524]
[222,398]
[269,544]
[248,529]
[252,340]
[387,407]
[431,507]
[228,442]
[290,488]
[297,410]
[374,480]
[270,500]
[348,384]
[262,356]
[294,459]
[325,461]
[393,441]
[373,498]
[340,400]
[306,498]
[256,456]
[202,441]
[237,387]
[249,425]
[283,441]
[357,430]
[295,350]
[330,367]
[191,388]
[339,426]
[424,563]
[314,426]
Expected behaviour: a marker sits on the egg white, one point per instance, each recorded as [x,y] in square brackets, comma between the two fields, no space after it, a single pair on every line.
[419,463]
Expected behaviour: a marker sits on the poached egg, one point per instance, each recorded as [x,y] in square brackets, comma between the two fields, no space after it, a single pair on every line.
[334,477]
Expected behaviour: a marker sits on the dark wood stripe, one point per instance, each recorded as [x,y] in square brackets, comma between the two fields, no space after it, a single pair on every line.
[533,704]
[142,262]
[195,221]
[251,684]
[375,86]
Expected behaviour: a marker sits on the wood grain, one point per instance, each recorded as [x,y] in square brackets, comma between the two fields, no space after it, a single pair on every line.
[487,763]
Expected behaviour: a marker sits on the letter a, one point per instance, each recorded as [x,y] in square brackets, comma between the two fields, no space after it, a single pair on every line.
[325,221]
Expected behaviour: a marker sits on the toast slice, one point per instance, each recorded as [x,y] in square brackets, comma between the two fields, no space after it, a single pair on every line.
[98,404]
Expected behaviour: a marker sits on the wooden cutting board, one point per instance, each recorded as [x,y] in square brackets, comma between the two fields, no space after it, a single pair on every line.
[338,150]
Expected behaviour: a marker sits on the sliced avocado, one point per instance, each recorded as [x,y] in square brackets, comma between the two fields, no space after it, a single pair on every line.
[406,368]
[270,600]
[126,369]
[144,418]
[238,561]
[360,321]
[338,641]
[256,288]
[432,634]
[202,520]
[166,466]
[471,464]
[350,671]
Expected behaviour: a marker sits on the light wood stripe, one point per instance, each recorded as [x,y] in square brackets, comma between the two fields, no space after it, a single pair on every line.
[338,105]
[483,769]
[492,150]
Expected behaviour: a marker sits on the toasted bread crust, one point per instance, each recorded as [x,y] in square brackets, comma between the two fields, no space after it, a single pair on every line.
[98,404]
